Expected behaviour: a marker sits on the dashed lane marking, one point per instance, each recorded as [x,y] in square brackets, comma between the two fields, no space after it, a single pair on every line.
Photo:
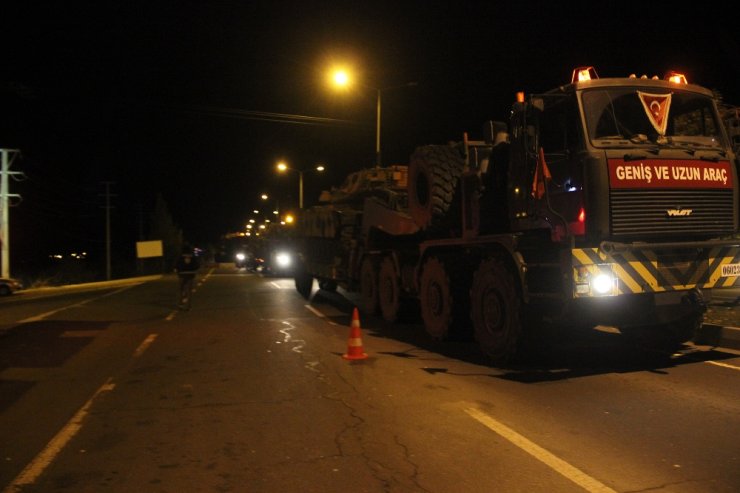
[144,345]
[555,463]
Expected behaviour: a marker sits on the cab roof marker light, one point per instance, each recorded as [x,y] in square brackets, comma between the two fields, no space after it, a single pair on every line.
[581,74]
[676,77]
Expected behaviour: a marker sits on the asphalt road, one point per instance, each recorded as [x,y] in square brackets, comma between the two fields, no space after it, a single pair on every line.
[110,388]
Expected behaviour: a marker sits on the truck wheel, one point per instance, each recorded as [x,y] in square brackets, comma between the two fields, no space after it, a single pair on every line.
[435,299]
[495,310]
[686,330]
[327,285]
[368,287]
[434,172]
[389,290]
[303,283]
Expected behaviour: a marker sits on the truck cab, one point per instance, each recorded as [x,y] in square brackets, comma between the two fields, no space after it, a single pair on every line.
[635,181]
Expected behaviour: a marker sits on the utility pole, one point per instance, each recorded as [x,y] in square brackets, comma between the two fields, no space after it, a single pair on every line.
[8,156]
[107,228]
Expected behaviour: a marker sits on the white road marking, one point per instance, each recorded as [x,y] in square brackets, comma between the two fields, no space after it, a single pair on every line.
[319,314]
[555,463]
[34,469]
[724,365]
[42,316]
[275,284]
[144,345]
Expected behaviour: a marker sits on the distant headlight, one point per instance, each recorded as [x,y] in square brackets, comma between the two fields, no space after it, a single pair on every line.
[283,259]
[240,256]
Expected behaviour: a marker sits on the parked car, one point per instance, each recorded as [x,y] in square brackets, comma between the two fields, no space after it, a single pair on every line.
[9,286]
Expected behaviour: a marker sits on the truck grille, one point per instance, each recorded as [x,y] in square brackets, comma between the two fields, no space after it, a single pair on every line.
[645,212]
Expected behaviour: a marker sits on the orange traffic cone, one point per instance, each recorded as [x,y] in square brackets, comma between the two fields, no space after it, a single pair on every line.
[354,345]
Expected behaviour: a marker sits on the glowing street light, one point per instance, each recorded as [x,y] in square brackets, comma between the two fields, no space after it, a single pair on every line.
[276,210]
[341,78]
[282,168]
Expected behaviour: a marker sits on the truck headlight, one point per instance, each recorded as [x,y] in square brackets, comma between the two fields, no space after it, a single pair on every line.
[596,280]
[602,284]
[283,259]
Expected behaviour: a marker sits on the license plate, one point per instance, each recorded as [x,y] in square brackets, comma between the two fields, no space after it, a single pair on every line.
[729,270]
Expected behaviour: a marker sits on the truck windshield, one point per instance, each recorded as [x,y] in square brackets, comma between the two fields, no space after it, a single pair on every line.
[620,116]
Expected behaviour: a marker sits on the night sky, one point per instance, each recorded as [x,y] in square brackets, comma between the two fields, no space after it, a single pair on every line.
[197,100]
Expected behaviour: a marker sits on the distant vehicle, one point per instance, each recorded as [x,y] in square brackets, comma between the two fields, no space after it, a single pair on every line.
[274,252]
[242,259]
[278,262]
[9,286]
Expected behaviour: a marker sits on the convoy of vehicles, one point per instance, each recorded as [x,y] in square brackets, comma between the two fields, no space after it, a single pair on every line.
[607,201]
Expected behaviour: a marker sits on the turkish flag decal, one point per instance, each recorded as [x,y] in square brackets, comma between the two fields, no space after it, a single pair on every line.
[656,106]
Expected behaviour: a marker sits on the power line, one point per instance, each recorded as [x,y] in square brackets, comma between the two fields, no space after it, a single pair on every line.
[263,115]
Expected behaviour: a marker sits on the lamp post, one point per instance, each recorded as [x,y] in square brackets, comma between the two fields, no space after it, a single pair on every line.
[282,167]
[341,78]
[377,132]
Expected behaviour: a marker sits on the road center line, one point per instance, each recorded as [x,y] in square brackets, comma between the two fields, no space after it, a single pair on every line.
[34,469]
[558,465]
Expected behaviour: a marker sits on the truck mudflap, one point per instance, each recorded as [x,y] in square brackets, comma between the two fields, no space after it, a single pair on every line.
[653,270]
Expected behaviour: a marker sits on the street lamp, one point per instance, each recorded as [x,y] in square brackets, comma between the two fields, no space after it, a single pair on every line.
[276,210]
[282,168]
[342,78]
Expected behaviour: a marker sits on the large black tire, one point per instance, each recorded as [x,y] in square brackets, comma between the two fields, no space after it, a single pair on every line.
[495,309]
[369,287]
[303,282]
[434,173]
[328,285]
[389,290]
[435,297]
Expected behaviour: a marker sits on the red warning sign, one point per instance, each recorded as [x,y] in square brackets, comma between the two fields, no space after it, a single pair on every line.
[657,107]
[656,173]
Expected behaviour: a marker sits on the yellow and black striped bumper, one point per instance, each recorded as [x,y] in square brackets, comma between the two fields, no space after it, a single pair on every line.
[597,274]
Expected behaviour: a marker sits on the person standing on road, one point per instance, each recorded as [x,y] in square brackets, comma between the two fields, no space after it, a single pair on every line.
[186,268]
